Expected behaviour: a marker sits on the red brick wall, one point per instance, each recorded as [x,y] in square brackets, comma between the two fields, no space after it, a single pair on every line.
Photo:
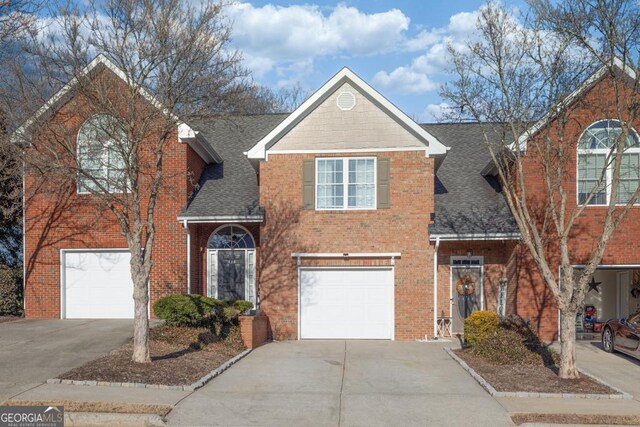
[533,300]
[402,228]
[496,258]
[254,330]
[56,217]
[200,234]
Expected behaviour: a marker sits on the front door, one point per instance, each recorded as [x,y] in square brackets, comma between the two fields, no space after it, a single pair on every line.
[466,282]
[231,274]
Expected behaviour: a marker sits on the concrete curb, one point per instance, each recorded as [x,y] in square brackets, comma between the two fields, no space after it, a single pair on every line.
[112,419]
[191,387]
[493,392]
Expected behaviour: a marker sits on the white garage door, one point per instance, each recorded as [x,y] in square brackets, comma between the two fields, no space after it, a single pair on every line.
[97,285]
[346,303]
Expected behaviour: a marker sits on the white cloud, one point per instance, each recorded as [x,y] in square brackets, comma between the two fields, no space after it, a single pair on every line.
[273,35]
[404,80]
[436,112]
[434,60]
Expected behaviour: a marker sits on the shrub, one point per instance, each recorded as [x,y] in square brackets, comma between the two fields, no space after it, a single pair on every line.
[187,310]
[234,308]
[509,347]
[10,292]
[479,326]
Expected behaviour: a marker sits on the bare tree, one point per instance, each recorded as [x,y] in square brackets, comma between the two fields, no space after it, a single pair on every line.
[174,61]
[521,69]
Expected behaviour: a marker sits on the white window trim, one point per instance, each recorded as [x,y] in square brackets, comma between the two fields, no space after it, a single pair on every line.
[104,161]
[608,175]
[345,183]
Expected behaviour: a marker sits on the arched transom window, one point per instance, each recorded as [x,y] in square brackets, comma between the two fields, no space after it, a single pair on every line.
[231,237]
[596,149]
[100,144]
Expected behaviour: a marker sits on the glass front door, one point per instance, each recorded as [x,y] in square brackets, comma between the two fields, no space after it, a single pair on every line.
[232,274]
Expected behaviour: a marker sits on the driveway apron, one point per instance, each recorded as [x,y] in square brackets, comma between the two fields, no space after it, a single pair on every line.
[342,383]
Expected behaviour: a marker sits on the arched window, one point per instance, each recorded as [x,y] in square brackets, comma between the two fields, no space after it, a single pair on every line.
[231,259]
[231,237]
[596,147]
[100,145]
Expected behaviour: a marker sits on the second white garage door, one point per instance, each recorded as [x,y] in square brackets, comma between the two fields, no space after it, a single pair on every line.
[346,303]
[97,285]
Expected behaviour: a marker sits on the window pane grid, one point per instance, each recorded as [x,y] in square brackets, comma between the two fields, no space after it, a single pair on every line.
[345,183]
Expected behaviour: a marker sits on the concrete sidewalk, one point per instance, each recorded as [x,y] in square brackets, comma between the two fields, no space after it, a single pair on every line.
[347,383]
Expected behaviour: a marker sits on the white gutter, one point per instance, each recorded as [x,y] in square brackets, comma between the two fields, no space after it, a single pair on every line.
[475,236]
[435,289]
[345,255]
[221,218]
[186,227]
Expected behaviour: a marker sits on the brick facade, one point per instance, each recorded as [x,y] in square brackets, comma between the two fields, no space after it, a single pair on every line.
[401,228]
[533,300]
[57,217]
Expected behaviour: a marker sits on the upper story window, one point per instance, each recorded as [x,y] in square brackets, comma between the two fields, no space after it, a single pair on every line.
[346,183]
[596,148]
[100,155]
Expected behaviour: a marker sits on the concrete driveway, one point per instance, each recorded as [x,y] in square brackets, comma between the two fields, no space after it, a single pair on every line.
[617,369]
[342,383]
[31,351]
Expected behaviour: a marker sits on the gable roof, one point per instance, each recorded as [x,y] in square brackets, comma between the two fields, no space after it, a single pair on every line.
[185,133]
[530,132]
[468,205]
[258,151]
[229,190]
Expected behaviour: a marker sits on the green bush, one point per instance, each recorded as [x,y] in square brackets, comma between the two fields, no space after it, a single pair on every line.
[509,347]
[10,292]
[479,326]
[197,310]
[187,310]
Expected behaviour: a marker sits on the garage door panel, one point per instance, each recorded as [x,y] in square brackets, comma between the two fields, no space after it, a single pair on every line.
[346,303]
[98,285]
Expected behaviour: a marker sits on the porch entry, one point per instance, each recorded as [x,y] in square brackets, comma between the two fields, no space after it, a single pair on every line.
[231,266]
[466,289]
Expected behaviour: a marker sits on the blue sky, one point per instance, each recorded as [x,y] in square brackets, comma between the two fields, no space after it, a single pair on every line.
[397,46]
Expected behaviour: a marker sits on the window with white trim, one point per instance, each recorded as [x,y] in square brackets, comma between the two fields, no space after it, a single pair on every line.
[100,160]
[596,150]
[346,183]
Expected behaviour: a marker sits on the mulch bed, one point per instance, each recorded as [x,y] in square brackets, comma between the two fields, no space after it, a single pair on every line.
[534,378]
[612,420]
[179,356]
[4,319]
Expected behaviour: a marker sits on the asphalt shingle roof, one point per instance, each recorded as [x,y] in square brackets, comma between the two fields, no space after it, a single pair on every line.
[231,187]
[467,202]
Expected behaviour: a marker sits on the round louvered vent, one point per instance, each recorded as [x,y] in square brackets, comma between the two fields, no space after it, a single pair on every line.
[346,101]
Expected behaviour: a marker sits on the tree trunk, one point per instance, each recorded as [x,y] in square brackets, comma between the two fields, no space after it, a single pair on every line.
[568,367]
[141,320]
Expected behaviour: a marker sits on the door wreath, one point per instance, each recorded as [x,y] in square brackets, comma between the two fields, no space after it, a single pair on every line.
[470,289]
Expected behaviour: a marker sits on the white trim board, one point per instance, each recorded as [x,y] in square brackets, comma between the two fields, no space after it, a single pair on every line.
[259,150]
[570,99]
[185,132]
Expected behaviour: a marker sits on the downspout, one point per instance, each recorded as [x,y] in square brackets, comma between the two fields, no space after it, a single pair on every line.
[24,242]
[435,289]
[186,227]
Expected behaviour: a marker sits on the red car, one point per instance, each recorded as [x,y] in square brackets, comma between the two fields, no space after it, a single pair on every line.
[622,335]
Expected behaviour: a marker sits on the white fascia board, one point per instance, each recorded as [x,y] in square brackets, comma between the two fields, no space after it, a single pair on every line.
[475,236]
[20,133]
[195,139]
[570,99]
[346,255]
[258,151]
[220,218]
